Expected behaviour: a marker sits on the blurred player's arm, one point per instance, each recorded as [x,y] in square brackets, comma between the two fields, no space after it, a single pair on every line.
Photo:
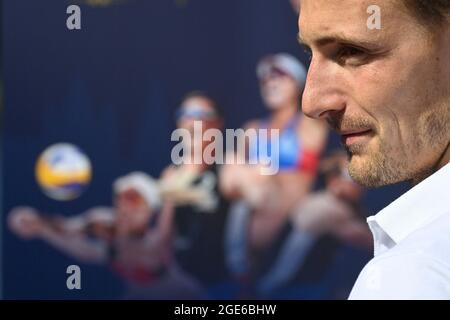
[234,178]
[27,223]
[166,224]
[322,213]
[354,231]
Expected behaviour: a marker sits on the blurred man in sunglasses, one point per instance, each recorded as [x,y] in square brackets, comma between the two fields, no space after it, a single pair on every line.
[200,210]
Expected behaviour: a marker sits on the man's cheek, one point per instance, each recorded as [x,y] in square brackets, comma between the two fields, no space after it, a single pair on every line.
[373,94]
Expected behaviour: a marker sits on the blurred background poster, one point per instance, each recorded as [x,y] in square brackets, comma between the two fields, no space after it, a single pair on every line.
[108,96]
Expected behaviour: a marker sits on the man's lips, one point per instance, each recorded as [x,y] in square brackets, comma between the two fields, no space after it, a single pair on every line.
[349,137]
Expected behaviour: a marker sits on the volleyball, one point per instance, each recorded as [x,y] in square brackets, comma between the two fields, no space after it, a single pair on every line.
[63,171]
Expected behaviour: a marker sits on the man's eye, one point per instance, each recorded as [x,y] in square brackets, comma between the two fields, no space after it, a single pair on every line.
[351,55]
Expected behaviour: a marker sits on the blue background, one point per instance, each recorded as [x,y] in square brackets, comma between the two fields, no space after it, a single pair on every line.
[112,88]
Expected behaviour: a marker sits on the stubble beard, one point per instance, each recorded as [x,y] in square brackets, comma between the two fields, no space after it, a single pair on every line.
[389,165]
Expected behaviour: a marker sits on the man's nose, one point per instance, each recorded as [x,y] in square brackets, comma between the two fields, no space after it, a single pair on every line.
[323,92]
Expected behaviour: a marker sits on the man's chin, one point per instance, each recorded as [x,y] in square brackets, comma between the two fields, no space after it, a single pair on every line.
[374,172]
[364,172]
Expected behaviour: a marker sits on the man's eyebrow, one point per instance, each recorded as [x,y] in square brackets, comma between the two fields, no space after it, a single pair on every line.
[338,38]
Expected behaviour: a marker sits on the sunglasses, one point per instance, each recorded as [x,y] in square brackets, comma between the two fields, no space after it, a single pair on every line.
[273,73]
[196,113]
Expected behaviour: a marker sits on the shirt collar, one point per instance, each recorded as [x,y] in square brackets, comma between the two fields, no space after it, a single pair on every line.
[416,208]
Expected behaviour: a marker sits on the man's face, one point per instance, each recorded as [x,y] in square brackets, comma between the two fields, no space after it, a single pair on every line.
[385,91]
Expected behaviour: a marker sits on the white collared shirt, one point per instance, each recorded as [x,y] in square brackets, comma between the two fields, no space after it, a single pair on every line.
[412,245]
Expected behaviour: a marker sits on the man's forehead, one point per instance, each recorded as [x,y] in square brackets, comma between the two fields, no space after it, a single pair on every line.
[328,18]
